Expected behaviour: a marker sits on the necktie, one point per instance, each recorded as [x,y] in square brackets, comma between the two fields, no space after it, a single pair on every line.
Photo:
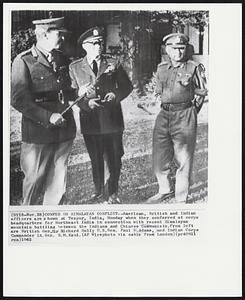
[52,60]
[95,67]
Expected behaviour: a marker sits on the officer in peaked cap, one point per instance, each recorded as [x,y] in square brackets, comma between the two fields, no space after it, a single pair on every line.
[51,24]
[105,84]
[41,91]
[180,86]
[177,40]
[92,34]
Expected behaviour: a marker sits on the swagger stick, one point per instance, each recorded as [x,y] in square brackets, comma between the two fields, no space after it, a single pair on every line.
[75,102]
[81,97]
[139,105]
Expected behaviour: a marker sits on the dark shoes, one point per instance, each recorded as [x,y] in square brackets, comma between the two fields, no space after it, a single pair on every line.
[64,200]
[158,198]
[95,199]
[113,199]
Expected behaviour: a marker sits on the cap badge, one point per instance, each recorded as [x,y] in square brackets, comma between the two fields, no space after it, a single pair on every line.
[178,40]
[95,32]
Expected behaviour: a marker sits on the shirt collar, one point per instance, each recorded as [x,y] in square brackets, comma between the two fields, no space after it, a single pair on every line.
[90,61]
[180,65]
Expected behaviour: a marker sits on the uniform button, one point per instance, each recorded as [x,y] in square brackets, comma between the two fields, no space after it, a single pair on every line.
[58,80]
[42,77]
[98,88]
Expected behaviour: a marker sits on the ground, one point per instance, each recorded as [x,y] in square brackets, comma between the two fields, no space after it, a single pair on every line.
[137,181]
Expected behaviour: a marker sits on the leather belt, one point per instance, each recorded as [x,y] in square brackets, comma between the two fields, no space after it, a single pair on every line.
[50,97]
[175,106]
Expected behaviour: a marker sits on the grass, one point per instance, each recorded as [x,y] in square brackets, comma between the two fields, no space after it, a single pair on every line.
[137,181]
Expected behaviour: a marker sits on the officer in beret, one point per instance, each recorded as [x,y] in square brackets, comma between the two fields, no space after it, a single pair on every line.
[104,83]
[41,91]
[180,86]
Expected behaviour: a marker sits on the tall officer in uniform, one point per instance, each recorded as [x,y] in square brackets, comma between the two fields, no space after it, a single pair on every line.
[180,85]
[105,84]
[41,91]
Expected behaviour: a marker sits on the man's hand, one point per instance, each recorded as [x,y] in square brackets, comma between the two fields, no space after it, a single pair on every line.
[158,97]
[57,120]
[92,103]
[86,89]
[109,97]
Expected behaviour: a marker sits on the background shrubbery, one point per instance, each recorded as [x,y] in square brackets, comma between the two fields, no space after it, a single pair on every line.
[22,40]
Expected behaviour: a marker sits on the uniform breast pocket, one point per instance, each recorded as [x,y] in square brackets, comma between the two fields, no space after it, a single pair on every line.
[163,82]
[184,79]
[64,75]
[43,82]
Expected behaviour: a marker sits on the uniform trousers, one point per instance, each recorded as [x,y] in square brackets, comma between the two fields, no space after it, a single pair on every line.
[174,138]
[45,170]
[105,152]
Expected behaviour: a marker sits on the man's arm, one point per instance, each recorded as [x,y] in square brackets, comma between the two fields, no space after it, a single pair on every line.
[81,91]
[74,84]
[200,86]
[124,85]
[22,99]
[158,86]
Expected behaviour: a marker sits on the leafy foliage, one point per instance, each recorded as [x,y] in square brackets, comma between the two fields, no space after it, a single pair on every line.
[181,18]
[145,23]
[21,40]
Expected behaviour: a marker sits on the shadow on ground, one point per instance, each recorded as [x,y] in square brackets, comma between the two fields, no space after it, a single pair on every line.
[137,182]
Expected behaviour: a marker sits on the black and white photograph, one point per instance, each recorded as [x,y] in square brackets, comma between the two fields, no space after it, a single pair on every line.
[122,149]
[109,107]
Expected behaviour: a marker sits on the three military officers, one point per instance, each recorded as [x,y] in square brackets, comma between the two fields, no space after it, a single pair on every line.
[43,84]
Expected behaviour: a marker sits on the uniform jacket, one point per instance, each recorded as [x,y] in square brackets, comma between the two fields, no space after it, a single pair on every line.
[108,118]
[34,93]
[181,84]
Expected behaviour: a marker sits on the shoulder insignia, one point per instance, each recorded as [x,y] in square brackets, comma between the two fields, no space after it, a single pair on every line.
[201,67]
[201,70]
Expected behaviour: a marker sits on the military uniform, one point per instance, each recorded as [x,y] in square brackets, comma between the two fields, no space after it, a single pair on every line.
[182,91]
[103,126]
[38,90]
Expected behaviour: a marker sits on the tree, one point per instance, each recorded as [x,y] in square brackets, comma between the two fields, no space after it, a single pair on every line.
[181,18]
[146,23]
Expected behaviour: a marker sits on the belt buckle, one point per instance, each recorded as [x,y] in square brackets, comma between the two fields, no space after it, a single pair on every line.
[61,96]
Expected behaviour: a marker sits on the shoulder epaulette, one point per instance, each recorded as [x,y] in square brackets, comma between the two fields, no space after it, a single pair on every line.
[25,53]
[193,62]
[197,64]
[76,61]
[163,63]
